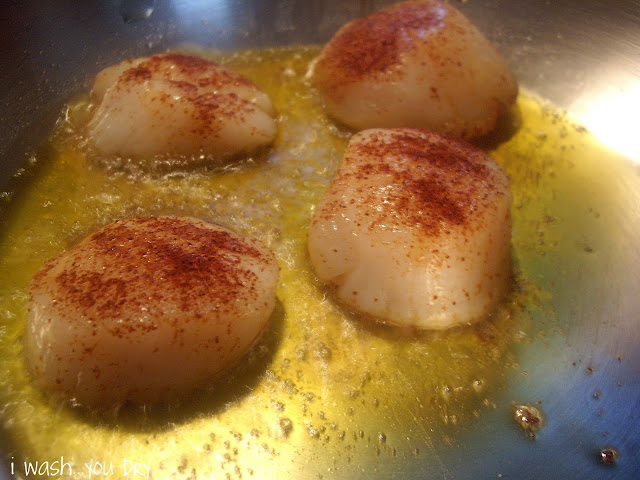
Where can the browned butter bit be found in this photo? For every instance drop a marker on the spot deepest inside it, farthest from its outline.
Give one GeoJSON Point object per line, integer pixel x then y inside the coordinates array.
{"type": "Point", "coordinates": [109, 319]}
{"type": "Point", "coordinates": [609, 456]}
{"type": "Point", "coordinates": [530, 418]}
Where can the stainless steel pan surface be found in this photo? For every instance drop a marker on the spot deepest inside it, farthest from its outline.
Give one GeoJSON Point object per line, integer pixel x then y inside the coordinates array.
{"type": "Point", "coordinates": [574, 354]}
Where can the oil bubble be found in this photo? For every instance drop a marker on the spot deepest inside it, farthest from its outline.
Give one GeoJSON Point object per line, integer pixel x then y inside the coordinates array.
{"type": "Point", "coordinates": [286, 425]}
{"type": "Point", "coordinates": [290, 387]}
{"type": "Point", "coordinates": [313, 431]}
{"type": "Point", "coordinates": [322, 352]}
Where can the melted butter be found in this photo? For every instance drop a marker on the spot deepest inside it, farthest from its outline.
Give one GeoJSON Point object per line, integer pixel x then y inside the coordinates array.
{"type": "Point", "coordinates": [325, 391]}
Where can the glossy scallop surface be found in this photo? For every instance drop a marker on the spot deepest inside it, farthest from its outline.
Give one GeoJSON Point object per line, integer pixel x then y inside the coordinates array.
{"type": "Point", "coordinates": [146, 309]}
{"type": "Point", "coordinates": [414, 64]}
{"type": "Point", "coordinates": [178, 104]}
{"type": "Point", "coordinates": [415, 229]}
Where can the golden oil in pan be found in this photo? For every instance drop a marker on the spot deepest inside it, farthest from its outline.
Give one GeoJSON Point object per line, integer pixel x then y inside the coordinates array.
{"type": "Point", "coordinates": [325, 393]}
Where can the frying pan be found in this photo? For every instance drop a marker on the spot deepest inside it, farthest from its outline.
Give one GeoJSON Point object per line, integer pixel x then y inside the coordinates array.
{"type": "Point", "coordinates": [582, 56]}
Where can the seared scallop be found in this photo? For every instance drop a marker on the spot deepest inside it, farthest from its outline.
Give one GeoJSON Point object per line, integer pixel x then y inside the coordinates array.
{"type": "Point", "coordinates": [147, 309]}
{"type": "Point", "coordinates": [415, 64]}
{"type": "Point", "coordinates": [178, 104]}
{"type": "Point", "coordinates": [415, 229]}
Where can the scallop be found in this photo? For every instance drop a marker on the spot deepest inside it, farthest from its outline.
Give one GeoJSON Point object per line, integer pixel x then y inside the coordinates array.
{"type": "Point", "coordinates": [415, 64]}
{"type": "Point", "coordinates": [415, 229]}
{"type": "Point", "coordinates": [147, 309]}
{"type": "Point", "coordinates": [178, 104]}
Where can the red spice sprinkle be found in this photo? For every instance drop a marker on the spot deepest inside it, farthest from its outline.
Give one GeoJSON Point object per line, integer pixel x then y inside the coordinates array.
{"type": "Point", "coordinates": [376, 43]}
{"type": "Point", "coordinates": [433, 182]}
{"type": "Point", "coordinates": [152, 262]}
{"type": "Point", "coordinates": [200, 84]}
